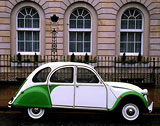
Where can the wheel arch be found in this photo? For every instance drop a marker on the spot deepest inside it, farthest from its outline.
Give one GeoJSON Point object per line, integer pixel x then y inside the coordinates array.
{"type": "Point", "coordinates": [36, 96]}
{"type": "Point", "coordinates": [130, 97]}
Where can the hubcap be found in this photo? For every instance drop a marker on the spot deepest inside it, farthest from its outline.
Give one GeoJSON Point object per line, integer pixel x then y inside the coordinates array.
{"type": "Point", "coordinates": [130, 111]}
{"type": "Point", "coordinates": [35, 110]}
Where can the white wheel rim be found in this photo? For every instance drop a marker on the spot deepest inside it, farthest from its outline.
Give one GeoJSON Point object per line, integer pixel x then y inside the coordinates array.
{"type": "Point", "coordinates": [35, 113]}
{"type": "Point", "coordinates": [130, 112]}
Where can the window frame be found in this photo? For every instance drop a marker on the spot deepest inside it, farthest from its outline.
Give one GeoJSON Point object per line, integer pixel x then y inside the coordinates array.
{"type": "Point", "coordinates": [61, 83]}
{"type": "Point", "coordinates": [28, 29]}
{"type": "Point", "coordinates": [80, 30]}
{"type": "Point", "coordinates": [35, 75]}
{"type": "Point", "coordinates": [134, 31]}
{"type": "Point", "coordinates": [90, 84]}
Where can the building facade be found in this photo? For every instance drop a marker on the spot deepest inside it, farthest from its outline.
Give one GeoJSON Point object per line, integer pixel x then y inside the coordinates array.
{"type": "Point", "coordinates": [95, 27]}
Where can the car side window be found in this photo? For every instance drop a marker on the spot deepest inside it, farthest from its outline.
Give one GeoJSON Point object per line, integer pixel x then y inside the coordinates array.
{"type": "Point", "coordinates": [41, 75]}
{"type": "Point", "coordinates": [63, 75]}
{"type": "Point", "coordinates": [86, 76]}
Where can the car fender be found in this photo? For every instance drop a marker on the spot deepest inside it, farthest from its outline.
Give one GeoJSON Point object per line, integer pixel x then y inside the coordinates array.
{"type": "Point", "coordinates": [127, 94]}
{"type": "Point", "coordinates": [36, 96]}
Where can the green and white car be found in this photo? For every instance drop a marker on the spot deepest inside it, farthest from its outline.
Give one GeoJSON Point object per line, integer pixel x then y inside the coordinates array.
{"type": "Point", "coordinates": [78, 86]}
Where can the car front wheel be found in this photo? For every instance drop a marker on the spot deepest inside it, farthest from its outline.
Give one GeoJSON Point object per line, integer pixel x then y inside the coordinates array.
{"type": "Point", "coordinates": [35, 113]}
{"type": "Point", "coordinates": [130, 111]}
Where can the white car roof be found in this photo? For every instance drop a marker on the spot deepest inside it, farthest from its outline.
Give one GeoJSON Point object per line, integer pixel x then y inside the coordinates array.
{"type": "Point", "coordinates": [54, 65]}
{"type": "Point", "coordinates": [59, 64]}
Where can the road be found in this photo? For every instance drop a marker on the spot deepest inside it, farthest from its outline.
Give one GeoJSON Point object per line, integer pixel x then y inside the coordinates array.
{"type": "Point", "coordinates": [74, 118]}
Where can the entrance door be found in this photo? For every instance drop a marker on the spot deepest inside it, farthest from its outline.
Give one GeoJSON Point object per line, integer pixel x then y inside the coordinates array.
{"type": "Point", "coordinates": [89, 92]}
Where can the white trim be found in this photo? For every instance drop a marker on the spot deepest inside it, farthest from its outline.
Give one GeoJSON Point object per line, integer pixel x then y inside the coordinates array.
{"type": "Point", "coordinates": [28, 53]}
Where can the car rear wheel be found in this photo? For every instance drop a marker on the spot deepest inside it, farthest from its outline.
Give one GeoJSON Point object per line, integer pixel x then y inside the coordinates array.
{"type": "Point", "coordinates": [35, 113]}
{"type": "Point", "coordinates": [130, 111]}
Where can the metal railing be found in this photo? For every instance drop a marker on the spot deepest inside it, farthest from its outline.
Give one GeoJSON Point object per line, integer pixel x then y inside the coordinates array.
{"type": "Point", "coordinates": [137, 70]}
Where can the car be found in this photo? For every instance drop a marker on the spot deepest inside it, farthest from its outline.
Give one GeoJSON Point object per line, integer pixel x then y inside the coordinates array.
{"type": "Point", "coordinates": [78, 86]}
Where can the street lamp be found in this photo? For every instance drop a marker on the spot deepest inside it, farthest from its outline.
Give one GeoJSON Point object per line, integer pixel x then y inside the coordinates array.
{"type": "Point", "coordinates": [54, 20]}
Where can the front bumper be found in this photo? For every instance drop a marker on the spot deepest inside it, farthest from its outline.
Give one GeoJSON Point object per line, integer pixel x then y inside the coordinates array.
{"type": "Point", "coordinates": [150, 107]}
{"type": "Point", "coordinates": [10, 104]}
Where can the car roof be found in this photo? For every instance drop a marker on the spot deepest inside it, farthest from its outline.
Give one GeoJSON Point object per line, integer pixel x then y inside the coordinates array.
{"type": "Point", "coordinates": [59, 64]}
{"type": "Point", "coordinates": [54, 65]}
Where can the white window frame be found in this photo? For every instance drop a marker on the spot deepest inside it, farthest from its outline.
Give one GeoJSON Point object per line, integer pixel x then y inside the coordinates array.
{"type": "Point", "coordinates": [80, 30]}
{"type": "Point", "coordinates": [27, 29]}
{"type": "Point", "coordinates": [134, 30]}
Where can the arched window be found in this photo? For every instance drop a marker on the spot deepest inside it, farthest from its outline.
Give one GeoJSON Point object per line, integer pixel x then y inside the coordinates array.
{"type": "Point", "coordinates": [28, 31]}
{"type": "Point", "coordinates": [80, 31]}
{"type": "Point", "coordinates": [131, 32]}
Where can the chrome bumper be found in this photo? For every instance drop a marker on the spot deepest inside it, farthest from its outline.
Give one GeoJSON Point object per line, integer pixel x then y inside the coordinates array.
{"type": "Point", "coordinates": [150, 107]}
{"type": "Point", "coordinates": [10, 104]}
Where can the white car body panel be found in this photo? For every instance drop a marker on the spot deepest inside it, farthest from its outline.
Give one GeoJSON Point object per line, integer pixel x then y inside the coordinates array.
{"type": "Point", "coordinates": [62, 96]}
{"type": "Point", "coordinates": [90, 96]}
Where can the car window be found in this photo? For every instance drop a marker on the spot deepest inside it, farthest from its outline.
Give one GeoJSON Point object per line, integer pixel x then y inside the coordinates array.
{"type": "Point", "coordinates": [86, 76]}
{"type": "Point", "coordinates": [41, 76]}
{"type": "Point", "coordinates": [63, 75]}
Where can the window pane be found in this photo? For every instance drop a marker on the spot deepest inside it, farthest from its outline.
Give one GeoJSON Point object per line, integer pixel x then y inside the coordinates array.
{"type": "Point", "coordinates": [72, 47]}
{"type": "Point", "coordinates": [72, 36]}
{"type": "Point", "coordinates": [138, 24]}
{"type": "Point", "coordinates": [123, 47]}
{"type": "Point", "coordinates": [23, 11]}
{"type": "Point", "coordinates": [36, 46]}
{"type": "Point", "coordinates": [79, 36]}
{"type": "Point", "coordinates": [130, 36]}
{"type": "Point", "coordinates": [79, 46]}
{"type": "Point", "coordinates": [36, 36]}
{"type": "Point", "coordinates": [87, 47]}
{"type": "Point", "coordinates": [35, 23]}
{"type": "Point", "coordinates": [28, 36]}
{"type": "Point", "coordinates": [87, 24]}
{"type": "Point", "coordinates": [41, 76]}
{"type": "Point", "coordinates": [72, 16]}
{"type": "Point", "coordinates": [130, 47]}
{"type": "Point", "coordinates": [20, 35]}
{"type": "Point", "coordinates": [80, 22]}
{"type": "Point", "coordinates": [138, 37]}
{"type": "Point", "coordinates": [64, 75]}
{"type": "Point", "coordinates": [138, 47]}
{"type": "Point", "coordinates": [85, 13]}
{"type": "Point", "coordinates": [21, 46]}
{"type": "Point", "coordinates": [123, 36]}
{"type": "Point", "coordinates": [28, 10]}
{"type": "Point", "coordinates": [86, 76]}
{"type": "Point", "coordinates": [72, 23]}
{"type": "Point", "coordinates": [123, 24]}
{"type": "Point", "coordinates": [75, 13]}
{"type": "Point", "coordinates": [28, 22]}
{"type": "Point", "coordinates": [80, 11]}
{"type": "Point", "coordinates": [131, 24]}
{"type": "Point", "coordinates": [20, 23]}
{"type": "Point", "coordinates": [87, 36]}
{"type": "Point", "coordinates": [28, 46]}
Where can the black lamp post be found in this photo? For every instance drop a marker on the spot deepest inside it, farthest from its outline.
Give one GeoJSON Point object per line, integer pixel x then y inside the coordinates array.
{"type": "Point", "coordinates": [54, 20]}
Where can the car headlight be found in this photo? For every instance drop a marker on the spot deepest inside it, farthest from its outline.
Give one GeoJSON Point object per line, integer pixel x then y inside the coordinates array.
{"type": "Point", "coordinates": [144, 92]}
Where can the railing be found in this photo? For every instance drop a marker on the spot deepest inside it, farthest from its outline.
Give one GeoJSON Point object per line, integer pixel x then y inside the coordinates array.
{"type": "Point", "coordinates": [140, 71]}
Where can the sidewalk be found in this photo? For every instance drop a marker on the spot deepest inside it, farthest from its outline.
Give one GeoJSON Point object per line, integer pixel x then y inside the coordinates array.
{"type": "Point", "coordinates": [8, 90]}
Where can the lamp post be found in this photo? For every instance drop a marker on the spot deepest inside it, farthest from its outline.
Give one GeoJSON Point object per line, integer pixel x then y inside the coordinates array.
{"type": "Point", "coordinates": [54, 20]}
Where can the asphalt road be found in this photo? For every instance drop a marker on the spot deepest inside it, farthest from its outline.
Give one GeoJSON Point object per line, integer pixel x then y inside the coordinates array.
{"type": "Point", "coordinates": [63, 118]}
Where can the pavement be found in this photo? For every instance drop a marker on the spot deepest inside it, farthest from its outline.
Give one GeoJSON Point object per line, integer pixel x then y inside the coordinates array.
{"type": "Point", "coordinates": [7, 91]}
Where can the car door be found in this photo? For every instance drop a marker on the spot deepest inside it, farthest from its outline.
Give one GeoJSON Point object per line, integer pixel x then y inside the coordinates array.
{"type": "Point", "coordinates": [61, 87]}
{"type": "Point", "coordinates": [89, 91]}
